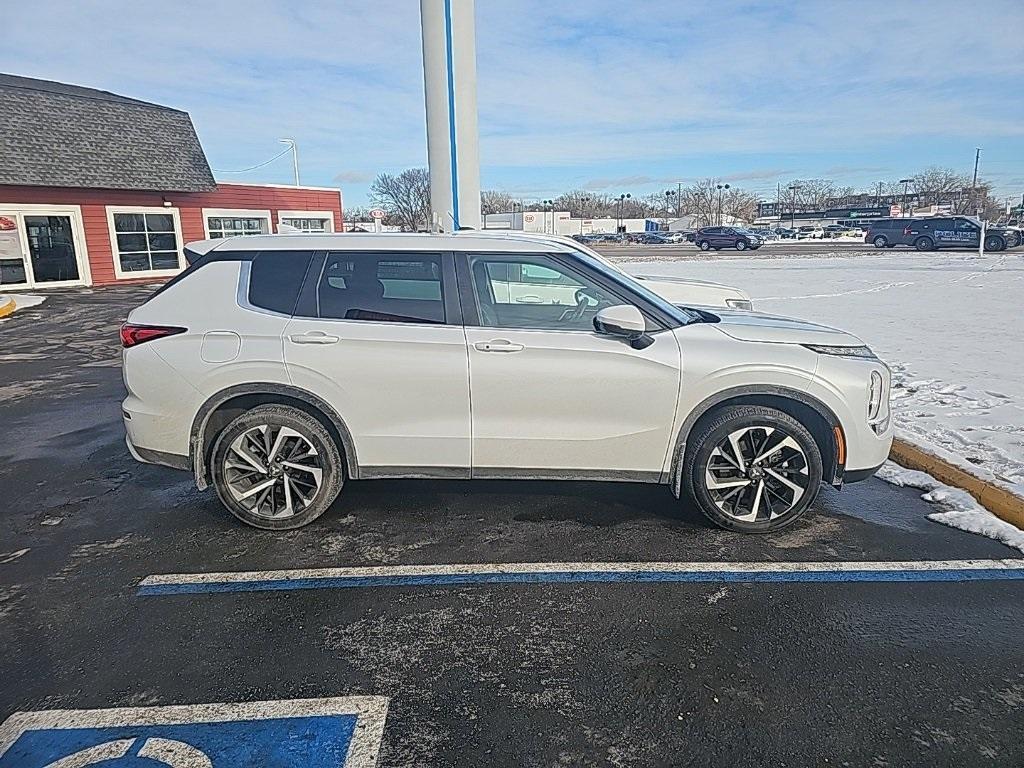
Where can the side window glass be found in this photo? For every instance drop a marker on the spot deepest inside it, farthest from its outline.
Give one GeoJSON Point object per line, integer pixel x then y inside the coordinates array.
{"type": "Point", "coordinates": [276, 278]}
{"type": "Point", "coordinates": [535, 292]}
{"type": "Point", "coordinates": [381, 287]}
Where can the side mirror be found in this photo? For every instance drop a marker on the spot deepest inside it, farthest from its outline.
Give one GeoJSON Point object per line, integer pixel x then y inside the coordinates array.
{"type": "Point", "coordinates": [626, 322]}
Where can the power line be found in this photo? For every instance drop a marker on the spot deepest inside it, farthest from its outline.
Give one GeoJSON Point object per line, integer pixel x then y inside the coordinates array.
{"type": "Point", "coordinates": [282, 153]}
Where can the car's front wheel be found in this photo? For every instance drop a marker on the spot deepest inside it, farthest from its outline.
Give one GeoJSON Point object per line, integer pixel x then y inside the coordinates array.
{"type": "Point", "coordinates": [704, 245]}
{"type": "Point", "coordinates": [276, 467]}
{"type": "Point", "coordinates": [740, 245]}
{"type": "Point", "coordinates": [751, 468]}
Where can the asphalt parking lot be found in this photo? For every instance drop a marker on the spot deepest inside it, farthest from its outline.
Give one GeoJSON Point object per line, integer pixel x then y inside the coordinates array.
{"type": "Point", "coordinates": [614, 673]}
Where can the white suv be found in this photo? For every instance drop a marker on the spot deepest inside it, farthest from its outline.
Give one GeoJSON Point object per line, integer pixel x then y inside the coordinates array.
{"type": "Point", "coordinates": [279, 368]}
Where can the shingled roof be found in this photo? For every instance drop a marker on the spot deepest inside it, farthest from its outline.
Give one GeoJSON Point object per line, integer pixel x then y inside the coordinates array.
{"type": "Point", "coordinates": [57, 135]}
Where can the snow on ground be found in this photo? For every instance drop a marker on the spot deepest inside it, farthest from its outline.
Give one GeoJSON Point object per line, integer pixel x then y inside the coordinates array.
{"type": "Point", "coordinates": [951, 326]}
{"type": "Point", "coordinates": [961, 509]}
{"type": "Point", "coordinates": [24, 300]}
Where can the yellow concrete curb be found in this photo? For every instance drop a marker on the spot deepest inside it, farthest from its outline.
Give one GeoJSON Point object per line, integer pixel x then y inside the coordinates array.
{"type": "Point", "coordinates": [7, 307]}
{"type": "Point", "coordinates": [999, 501]}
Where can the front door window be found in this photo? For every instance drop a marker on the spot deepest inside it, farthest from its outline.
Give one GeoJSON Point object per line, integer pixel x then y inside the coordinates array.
{"type": "Point", "coordinates": [535, 291]}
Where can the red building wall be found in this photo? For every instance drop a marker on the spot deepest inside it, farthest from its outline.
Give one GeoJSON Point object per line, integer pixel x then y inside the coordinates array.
{"type": "Point", "coordinates": [190, 205]}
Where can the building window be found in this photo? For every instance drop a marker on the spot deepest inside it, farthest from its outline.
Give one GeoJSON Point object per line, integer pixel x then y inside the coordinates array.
{"type": "Point", "coordinates": [220, 222]}
{"type": "Point", "coordinates": [145, 240]}
{"type": "Point", "coordinates": [307, 221]}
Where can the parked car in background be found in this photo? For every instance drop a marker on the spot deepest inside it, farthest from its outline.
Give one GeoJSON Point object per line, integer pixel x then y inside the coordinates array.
{"type": "Point", "coordinates": [810, 233]}
{"type": "Point", "coordinates": [956, 232]}
{"type": "Point", "coordinates": [674, 237]}
{"type": "Point", "coordinates": [784, 233]}
{"type": "Point", "coordinates": [654, 238]}
{"type": "Point", "coordinates": [717, 238]}
{"type": "Point", "coordinates": [885, 233]}
{"type": "Point", "coordinates": [765, 233]}
{"type": "Point", "coordinates": [279, 369]}
{"type": "Point", "coordinates": [933, 233]}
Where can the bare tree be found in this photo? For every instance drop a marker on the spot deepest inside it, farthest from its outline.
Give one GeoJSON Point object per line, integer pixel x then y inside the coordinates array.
{"type": "Point", "coordinates": [495, 201]}
{"type": "Point", "coordinates": [580, 202]}
{"type": "Point", "coordinates": [740, 204]}
{"type": "Point", "coordinates": [405, 197]}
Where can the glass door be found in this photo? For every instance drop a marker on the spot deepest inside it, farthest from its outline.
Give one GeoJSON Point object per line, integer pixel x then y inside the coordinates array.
{"type": "Point", "coordinates": [51, 247]}
{"type": "Point", "coordinates": [40, 245]}
{"type": "Point", "coordinates": [13, 266]}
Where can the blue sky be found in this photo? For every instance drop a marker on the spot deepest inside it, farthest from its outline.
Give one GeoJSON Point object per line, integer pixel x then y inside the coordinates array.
{"type": "Point", "coordinates": [611, 96]}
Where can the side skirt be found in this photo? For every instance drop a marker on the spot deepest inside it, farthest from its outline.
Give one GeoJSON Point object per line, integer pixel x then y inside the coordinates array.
{"type": "Point", "coordinates": [501, 473]}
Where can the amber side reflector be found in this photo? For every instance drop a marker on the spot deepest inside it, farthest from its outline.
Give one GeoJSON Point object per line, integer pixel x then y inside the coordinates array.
{"type": "Point", "coordinates": [837, 432]}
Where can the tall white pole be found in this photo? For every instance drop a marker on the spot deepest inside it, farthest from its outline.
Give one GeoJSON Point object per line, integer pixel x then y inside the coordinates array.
{"type": "Point", "coordinates": [449, 79]}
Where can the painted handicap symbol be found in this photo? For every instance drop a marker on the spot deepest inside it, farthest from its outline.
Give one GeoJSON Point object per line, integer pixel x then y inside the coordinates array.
{"type": "Point", "coordinates": [341, 732]}
{"type": "Point", "coordinates": [175, 754]}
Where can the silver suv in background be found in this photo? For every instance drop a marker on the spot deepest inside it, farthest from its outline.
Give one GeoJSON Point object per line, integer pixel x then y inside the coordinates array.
{"type": "Point", "coordinates": [278, 369]}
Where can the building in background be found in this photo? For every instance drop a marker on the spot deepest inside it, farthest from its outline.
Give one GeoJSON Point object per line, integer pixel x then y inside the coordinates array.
{"type": "Point", "coordinates": [97, 189]}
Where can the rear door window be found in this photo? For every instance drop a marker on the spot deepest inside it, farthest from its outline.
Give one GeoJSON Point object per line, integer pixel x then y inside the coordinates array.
{"type": "Point", "coordinates": [382, 287]}
{"type": "Point", "coordinates": [276, 279]}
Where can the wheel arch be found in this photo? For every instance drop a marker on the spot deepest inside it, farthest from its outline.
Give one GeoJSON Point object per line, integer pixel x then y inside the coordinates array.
{"type": "Point", "coordinates": [817, 417]}
{"type": "Point", "coordinates": [214, 414]}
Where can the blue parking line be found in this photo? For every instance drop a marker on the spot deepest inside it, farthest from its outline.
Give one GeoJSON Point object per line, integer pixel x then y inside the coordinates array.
{"type": "Point", "coordinates": [782, 575]}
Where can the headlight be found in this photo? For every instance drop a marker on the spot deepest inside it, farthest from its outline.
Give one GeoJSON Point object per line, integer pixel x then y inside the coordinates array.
{"type": "Point", "coordinates": [739, 303]}
{"type": "Point", "coordinates": [861, 351]}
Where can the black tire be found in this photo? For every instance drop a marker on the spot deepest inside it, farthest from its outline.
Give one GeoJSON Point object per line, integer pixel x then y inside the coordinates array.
{"type": "Point", "coordinates": [880, 241]}
{"type": "Point", "coordinates": [994, 243]}
{"type": "Point", "coordinates": [328, 456]}
{"type": "Point", "coordinates": [716, 428]}
{"type": "Point", "coordinates": [704, 245]}
{"type": "Point", "coordinates": [924, 244]}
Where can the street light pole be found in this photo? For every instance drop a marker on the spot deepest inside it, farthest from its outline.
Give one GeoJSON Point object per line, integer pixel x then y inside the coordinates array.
{"type": "Point", "coordinates": [720, 188]}
{"type": "Point", "coordinates": [583, 210]}
{"type": "Point", "coordinates": [549, 205]}
{"type": "Point", "coordinates": [295, 157]}
{"type": "Point", "coordinates": [792, 205]}
{"type": "Point", "coordinates": [905, 182]}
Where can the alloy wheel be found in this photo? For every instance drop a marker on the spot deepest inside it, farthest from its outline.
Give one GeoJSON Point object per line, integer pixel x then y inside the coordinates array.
{"type": "Point", "coordinates": [757, 474]}
{"type": "Point", "coordinates": [273, 471]}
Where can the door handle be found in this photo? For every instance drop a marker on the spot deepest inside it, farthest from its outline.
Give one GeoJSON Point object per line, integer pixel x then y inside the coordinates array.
{"type": "Point", "coordinates": [314, 337]}
{"type": "Point", "coordinates": [498, 345]}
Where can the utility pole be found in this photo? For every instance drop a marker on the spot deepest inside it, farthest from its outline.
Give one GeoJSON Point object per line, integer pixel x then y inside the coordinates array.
{"type": "Point", "coordinates": [295, 157]}
{"type": "Point", "coordinates": [878, 195]}
{"type": "Point", "coordinates": [974, 182]}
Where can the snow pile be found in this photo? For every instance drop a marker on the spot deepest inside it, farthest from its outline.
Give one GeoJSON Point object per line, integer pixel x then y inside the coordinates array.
{"type": "Point", "coordinates": [23, 301]}
{"type": "Point", "coordinates": [961, 510]}
{"type": "Point", "coordinates": [945, 322]}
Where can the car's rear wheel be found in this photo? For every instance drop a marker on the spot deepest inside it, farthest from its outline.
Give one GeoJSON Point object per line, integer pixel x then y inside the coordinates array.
{"type": "Point", "coordinates": [276, 467]}
{"type": "Point", "coordinates": [994, 243]}
{"type": "Point", "coordinates": [704, 245]}
{"type": "Point", "coordinates": [924, 244]}
{"type": "Point", "coordinates": [740, 245]}
{"type": "Point", "coordinates": [880, 242]}
{"type": "Point", "coordinates": [751, 468]}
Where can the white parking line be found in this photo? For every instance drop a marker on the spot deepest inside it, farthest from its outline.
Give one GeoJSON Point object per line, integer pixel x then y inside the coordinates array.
{"type": "Point", "coordinates": [493, 573]}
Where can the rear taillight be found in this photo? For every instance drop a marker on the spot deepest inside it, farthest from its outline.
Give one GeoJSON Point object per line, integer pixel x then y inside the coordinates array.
{"type": "Point", "coordinates": [132, 335]}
